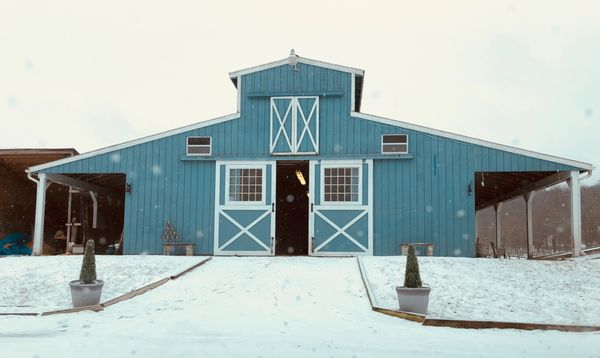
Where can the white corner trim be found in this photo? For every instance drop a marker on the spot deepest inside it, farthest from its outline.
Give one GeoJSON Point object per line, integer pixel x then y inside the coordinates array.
{"type": "Point", "coordinates": [239, 94]}
{"type": "Point", "coordinates": [352, 92]}
{"type": "Point", "coordinates": [467, 139]}
{"type": "Point", "coordinates": [131, 143]}
{"type": "Point", "coordinates": [304, 60]}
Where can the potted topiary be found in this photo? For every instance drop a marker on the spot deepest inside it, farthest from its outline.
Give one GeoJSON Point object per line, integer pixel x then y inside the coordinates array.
{"type": "Point", "coordinates": [87, 290]}
{"type": "Point", "coordinates": [413, 297]}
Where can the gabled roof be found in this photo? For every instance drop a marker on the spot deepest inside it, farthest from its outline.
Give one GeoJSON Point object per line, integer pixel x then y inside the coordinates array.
{"type": "Point", "coordinates": [308, 61]}
{"type": "Point", "coordinates": [463, 138]}
{"type": "Point", "coordinates": [131, 143]}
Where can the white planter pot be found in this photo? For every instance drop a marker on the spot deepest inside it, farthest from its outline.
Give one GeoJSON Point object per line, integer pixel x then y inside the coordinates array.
{"type": "Point", "coordinates": [83, 294]}
{"type": "Point", "coordinates": [413, 300]}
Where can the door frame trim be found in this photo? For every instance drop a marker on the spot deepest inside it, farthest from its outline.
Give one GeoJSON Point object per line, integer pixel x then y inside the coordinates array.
{"type": "Point", "coordinates": [368, 207]}
{"type": "Point", "coordinates": [217, 206]}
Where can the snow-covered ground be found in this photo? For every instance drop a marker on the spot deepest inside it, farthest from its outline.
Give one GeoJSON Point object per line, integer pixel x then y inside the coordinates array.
{"type": "Point", "coordinates": [38, 284]}
{"type": "Point", "coordinates": [267, 307]}
{"type": "Point", "coordinates": [559, 292]}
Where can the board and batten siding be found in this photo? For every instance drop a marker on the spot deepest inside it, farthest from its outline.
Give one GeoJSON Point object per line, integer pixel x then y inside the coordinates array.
{"type": "Point", "coordinates": [418, 198]}
{"type": "Point", "coordinates": [162, 187]}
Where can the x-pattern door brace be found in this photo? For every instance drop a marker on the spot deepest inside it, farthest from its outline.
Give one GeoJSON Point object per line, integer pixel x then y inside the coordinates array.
{"type": "Point", "coordinates": [245, 229]}
{"type": "Point", "coordinates": [341, 230]}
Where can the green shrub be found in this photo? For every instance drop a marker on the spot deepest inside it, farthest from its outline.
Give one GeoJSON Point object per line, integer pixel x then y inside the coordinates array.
{"type": "Point", "coordinates": [88, 265]}
{"type": "Point", "coordinates": [412, 278]}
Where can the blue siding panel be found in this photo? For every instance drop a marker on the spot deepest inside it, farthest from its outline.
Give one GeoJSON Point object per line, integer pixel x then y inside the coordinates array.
{"type": "Point", "coordinates": [423, 199]}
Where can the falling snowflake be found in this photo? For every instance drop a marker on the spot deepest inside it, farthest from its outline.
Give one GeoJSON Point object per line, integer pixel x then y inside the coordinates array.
{"type": "Point", "coordinates": [460, 213]}
{"type": "Point", "coordinates": [289, 198]}
{"type": "Point", "coordinates": [115, 157]}
{"type": "Point", "coordinates": [156, 169]}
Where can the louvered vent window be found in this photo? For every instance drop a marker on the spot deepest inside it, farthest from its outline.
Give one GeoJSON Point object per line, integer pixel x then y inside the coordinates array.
{"type": "Point", "coordinates": [394, 144]}
{"type": "Point", "coordinates": [198, 146]}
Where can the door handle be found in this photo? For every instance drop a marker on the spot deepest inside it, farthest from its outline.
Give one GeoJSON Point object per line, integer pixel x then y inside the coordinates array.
{"type": "Point", "coordinates": [273, 207]}
{"type": "Point", "coordinates": [312, 207]}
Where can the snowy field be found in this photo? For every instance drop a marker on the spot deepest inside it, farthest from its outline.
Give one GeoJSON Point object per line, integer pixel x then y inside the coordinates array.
{"type": "Point", "coordinates": [38, 284]}
{"type": "Point", "coordinates": [559, 292]}
{"type": "Point", "coordinates": [267, 307]}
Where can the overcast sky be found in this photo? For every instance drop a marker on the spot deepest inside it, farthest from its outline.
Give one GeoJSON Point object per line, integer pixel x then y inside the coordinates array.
{"type": "Point", "coordinates": [89, 74]}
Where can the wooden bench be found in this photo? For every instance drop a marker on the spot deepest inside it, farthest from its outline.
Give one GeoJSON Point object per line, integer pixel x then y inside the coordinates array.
{"type": "Point", "coordinates": [429, 247]}
{"type": "Point", "coordinates": [498, 251]}
{"type": "Point", "coordinates": [171, 248]}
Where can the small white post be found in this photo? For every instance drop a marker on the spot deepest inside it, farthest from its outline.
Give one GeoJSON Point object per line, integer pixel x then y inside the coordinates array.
{"type": "Point", "coordinates": [573, 182]}
{"type": "Point", "coordinates": [529, 212]}
{"type": "Point", "coordinates": [95, 210]}
{"type": "Point", "coordinates": [497, 208]}
{"type": "Point", "coordinates": [40, 209]}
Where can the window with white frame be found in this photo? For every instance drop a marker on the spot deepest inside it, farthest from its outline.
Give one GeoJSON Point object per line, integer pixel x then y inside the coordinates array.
{"type": "Point", "coordinates": [341, 184]}
{"type": "Point", "coordinates": [394, 144]}
{"type": "Point", "coordinates": [245, 185]}
{"type": "Point", "coordinates": [198, 146]}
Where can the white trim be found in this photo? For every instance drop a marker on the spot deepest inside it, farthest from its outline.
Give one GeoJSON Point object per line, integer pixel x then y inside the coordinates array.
{"type": "Point", "coordinates": [304, 60]}
{"type": "Point", "coordinates": [187, 146]}
{"type": "Point", "coordinates": [466, 139]}
{"type": "Point", "coordinates": [291, 114]}
{"type": "Point", "coordinates": [281, 129]}
{"type": "Point", "coordinates": [311, 204]}
{"type": "Point", "coordinates": [341, 230]}
{"type": "Point", "coordinates": [217, 205]}
{"type": "Point", "coordinates": [313, 114]}
{"type": "Point", "coordinates": [273, 207]}
{"type": "Point", "coordinates": [239, 94]}
{"type": "Point", "coordinates": [220, 209]}
{"type": "Point", "coordinates": [341, 164]}
{"type": "Point", "coordinates": [395, 134]}
{"type": "Point", "coordinates": [233, 203]}
{"type": "Point", "coordinates": [40, 211]}
{"type": "Point", "coordinates": [352, 92]}
{"type": "Point", "coordinates": [575, 198]}
{"type": "Point", "coordinates": [131, 143]}
{"type": "Point", "coordinates": [354, 206]}
{"type": "Point", "coordinates": [370, 204]}
{"type": "Point", "coordinates": [244, 229]}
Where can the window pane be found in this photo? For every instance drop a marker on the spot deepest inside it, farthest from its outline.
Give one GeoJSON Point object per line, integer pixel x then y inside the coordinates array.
{"type": "Point", "coordinates": [245, 185]}
{"type": "Point", "coordinates": [198, 150]}
{"type": "Point", "coordinates": [198, 141]}
{"type": "Point", "coordinates": [395, 148]}
{"type": "Point", "coordinates": [341, 184]}
{"type": "Point", "coordinates": [396, 138]}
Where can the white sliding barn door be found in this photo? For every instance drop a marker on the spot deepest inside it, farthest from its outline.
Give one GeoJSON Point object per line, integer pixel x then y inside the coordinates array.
{"type": "Point", "coordinates": [294, 125]}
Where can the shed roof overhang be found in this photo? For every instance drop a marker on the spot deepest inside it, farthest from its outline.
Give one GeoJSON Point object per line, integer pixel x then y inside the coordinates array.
{"type": "Point", "coordinates": [18, 160]}
{"type": "Point", "coordinates": [496, 187]}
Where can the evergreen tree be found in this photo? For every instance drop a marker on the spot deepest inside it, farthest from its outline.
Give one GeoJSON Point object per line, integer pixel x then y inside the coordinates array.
{"type": "Point", "coordinates": [412, 278]}
{"type": "Point", "coordinates": [88, 265]}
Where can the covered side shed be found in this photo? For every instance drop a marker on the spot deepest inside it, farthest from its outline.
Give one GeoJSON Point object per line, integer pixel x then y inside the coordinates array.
{"type": "Point", "coordinates": [17, 199]}
{"type": "Point", "coordinates": [299, 170]}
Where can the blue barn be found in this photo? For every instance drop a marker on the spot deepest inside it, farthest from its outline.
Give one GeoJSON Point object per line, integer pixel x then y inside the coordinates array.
{"type": "Point", "coordinates": [298, 169]}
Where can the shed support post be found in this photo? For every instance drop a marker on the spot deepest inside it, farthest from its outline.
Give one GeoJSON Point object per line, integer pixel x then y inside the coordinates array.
{"type": "Point", "coordinates": [529, 212]}
{"type": "Point", "coordinates": [497, 208]}
{"type": "Point", "coordinates": [40, 210]}
{"type": "Point", "coordinates": [573, 182]}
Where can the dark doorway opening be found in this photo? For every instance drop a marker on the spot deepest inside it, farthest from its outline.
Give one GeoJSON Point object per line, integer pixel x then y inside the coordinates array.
{"type": "Point", "coordinates": [291, 223]}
